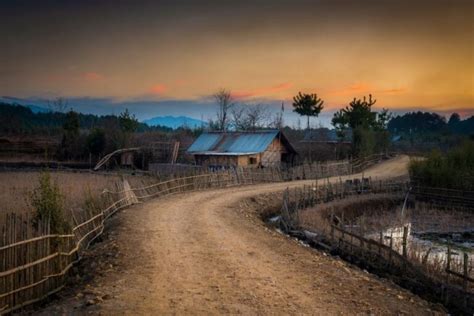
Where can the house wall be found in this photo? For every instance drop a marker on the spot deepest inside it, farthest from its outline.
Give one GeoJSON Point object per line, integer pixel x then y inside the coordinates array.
{"type": "Point", "coordinates": [272, 156]}
{"type": "Point", "coordinates": [215, 160]}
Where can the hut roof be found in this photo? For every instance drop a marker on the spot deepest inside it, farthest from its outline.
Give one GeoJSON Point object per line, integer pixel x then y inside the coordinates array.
{"type": "Point", "coordinates": [236, 143]}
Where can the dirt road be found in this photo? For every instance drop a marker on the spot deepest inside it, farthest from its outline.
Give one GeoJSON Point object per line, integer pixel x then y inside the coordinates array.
{"type": "Point", "coordinates": [202, 253]}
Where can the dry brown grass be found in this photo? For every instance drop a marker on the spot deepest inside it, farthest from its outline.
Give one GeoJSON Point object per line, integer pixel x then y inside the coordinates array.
{"type": "Point", "coordinates": [369, 207]}
{"type": "Point", "coordinates": [371, 214]}
{"type": "Point", "coordinates": [16, 188]}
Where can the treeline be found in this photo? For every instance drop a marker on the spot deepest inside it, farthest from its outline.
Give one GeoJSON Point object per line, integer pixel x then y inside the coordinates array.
{"type": "Point", "coordinates": [453, 170]}
{"type": "Point", "coordinates": [17, 119]}
{"type": "Point", "coordinates": [424, 123]}
{"type": "Point", "coordinates": [81, 137]}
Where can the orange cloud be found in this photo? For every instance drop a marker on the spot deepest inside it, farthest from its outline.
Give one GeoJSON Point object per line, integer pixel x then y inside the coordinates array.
{"type": "Point", "coordinates": [159, 89]}
{"type": "Point", "coordinates": [92, 76]}
{"type": "Point", "coordinates": [364, 88]}
{"type": "Point", "coordinates": [262, 91]}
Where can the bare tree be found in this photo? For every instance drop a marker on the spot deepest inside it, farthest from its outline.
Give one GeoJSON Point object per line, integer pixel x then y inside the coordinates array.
{"type": "Point", "coordinates": [277, 120]}
{"type": "Point", "coordinates": [250, 117]}
{"type": "Point", "coordinates": [257, 116]}
{"type": "Point", "coordinates": [239, 121]}
{"type": "Point", "coordinates": [225, 103]}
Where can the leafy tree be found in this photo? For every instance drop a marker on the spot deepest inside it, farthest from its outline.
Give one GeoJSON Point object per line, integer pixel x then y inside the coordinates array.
{"type": "Point", "coordinates": [357, 114]}
{"type": "Point", "coordinates": [71, 124]}
{"type": "Point", "coordinates": [128, 125]}
{"type": "Point", "coordinates": [69, 143]}
{"type": "Point", "coordinates": [96, 141]}
{"type": "Point", "coordinates": [383, 117]}
{"type": "Point", "coordinates": [414, 122]}
{"type": "Point", "coordinates": [368, 127]}
{"type": "Point", "coordinates": [307, 105]}
{"type": "Point", "coordinates": [128, 122]}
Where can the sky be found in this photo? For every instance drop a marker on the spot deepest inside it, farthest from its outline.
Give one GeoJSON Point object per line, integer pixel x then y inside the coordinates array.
{"type": "Point", "coordinates": [169, 57]}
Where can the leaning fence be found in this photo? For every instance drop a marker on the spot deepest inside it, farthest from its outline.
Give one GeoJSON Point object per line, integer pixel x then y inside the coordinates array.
{"type": "Point", "coordinates": [34, 262]}
{"type": "Point", "coordinates": [450, 281]}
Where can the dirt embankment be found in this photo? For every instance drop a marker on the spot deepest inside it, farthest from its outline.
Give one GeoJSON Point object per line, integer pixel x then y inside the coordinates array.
{"type": "Point", "coordinates": [210, 253]}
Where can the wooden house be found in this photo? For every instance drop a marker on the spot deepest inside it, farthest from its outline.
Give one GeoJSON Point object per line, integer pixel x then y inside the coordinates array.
{"type": "Point", "coordinates": [230, 149]}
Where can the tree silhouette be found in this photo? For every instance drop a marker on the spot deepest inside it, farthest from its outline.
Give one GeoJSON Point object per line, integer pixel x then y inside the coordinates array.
{"type": "Point", "coordinates": [307, 105]}
{"type": "Point", "coordinates": [357, 114]}
{"type": "Point", "coordinates": [225, 103]}
{"type": "Point", "coordinates": [369, 129]}
{"type": "Point", "coordinates": [128, 122]}
{"type": "Point", "coordinates": [454, 119]}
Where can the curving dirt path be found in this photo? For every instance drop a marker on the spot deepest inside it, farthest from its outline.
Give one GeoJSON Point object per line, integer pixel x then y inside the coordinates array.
{"type": "Point", "coordinates": [203, 253]}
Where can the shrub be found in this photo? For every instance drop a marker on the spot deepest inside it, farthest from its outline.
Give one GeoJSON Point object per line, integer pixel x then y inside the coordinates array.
{"type": "Point", "coordinates": [47, 201]}
{"type": "Point", "coordinates": [454, 170]}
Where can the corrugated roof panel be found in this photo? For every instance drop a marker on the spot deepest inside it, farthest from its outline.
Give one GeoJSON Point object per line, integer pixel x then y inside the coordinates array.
{"type": "Point", "coordinates": [238, 143]}
{"type": "Point", "coordinates": [205, 142]}
{"type": "Point", "coordinates": [255, 142]}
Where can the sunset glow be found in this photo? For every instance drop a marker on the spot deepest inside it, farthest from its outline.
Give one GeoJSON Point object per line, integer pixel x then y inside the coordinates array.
{"type": "Point", "coordinates": [409, 54]}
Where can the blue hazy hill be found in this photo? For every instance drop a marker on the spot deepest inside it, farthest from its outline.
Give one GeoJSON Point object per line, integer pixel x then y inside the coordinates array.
{"type": "Point", "coordinates": [25, 103]}
{"type": "Point", "coordinates": [174, 121]}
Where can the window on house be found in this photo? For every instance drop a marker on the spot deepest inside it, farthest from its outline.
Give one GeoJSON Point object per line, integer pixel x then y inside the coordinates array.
{"type": "Point", "coordinates": [253, 160]}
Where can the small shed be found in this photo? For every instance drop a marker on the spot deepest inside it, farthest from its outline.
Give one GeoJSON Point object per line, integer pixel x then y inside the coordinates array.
{"type": "Point", "coordinates": [261, 148]}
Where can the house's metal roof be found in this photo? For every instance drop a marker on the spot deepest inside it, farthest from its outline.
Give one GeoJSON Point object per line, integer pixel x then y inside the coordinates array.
{"type": "Point", "coordinates": [237, 143]}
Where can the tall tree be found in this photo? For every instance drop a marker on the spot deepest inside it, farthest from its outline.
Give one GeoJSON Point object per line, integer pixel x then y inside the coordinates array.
{"type": "Point", "coordinates": [71, 124]}
{"type": "Point", "coordinates": [225, 102]}
{"type": "Point", "coordinates": [128, 125]}
{"type": "Point", "coordinates": [128, 122]}
{"type": "Point", "coordinates": [307, 105]}
{"type": "Point", "coordinates": [69, 142]}
{"type": "Point", "coordinates": [357, 114]}
{"type": "Point", "coordinates": [368, 127]}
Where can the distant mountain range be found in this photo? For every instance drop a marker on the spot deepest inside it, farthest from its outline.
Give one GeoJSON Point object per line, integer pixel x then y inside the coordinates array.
{"type": "Point", "coordinates": [39, 106]}
{"type": "Point", "coordinates": [175, 121]}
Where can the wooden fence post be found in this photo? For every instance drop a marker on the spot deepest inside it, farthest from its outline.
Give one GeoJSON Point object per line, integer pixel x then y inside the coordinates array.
{"type": "Point", "coordinates": [448, 268]}
{"type": "Point", "coordinates": [465, 270]}
{"type": "Point", "coordinates": [404, 242]}
{"type": "Point", "coordinates": [391, 249]}
{"type": "Point", "coordinates": [332, 226]}
{"type": "Point", "coordinates": [381, 242]}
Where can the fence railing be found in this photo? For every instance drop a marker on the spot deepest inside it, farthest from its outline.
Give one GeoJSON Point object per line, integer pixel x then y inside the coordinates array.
{"type": "Point", "coordinates": [452, 283]}
{"type": "Point", "coordinates": [34, 262]}
{"type": "Point", "coordinates": [444, 197]}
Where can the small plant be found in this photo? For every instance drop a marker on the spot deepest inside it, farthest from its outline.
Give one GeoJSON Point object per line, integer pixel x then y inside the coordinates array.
{"type": "Point", "coordinates": [47, 201]}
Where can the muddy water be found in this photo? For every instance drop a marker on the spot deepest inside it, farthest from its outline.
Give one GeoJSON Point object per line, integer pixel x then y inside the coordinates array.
{"type": "Point", "coordinates": [433, 243]}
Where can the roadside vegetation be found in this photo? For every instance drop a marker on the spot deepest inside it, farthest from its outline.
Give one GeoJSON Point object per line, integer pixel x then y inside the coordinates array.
{"type": "Point", "coordinates": [37, 193]}
{"type": "Point", "coordinates": [452, 170]}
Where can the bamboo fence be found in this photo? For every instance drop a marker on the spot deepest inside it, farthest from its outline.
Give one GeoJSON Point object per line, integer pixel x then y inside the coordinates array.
{"type": "Point", "coordinates": [34, 263]}
{"type": "Point", "coordinates": [453, 285]}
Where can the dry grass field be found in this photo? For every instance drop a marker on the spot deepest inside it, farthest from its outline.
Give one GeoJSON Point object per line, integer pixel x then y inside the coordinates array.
{"type": "Point", "coordinates": [16, 188]}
